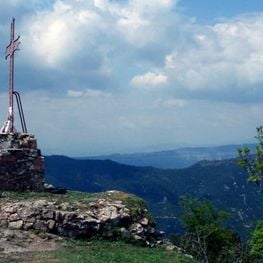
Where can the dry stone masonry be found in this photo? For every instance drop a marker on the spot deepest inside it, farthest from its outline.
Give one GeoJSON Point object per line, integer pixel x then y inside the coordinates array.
{"type": "Point", "coordinates": [21, 163]}
{"type": "Point", "coordinates": [100, 218]}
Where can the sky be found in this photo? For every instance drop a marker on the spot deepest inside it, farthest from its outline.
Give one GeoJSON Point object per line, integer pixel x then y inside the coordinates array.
{"type": "Point", "coordinates": [107, 76]}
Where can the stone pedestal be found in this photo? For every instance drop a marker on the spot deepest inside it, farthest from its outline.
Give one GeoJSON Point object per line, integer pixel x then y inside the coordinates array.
{"type": "Point", "coordinates": [21, 163]}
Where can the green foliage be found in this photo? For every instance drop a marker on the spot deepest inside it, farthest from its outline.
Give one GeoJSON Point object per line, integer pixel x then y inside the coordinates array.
{"type": "Point", "coordinates": [205, 235]}
{"type": "Point", "coordinates": [70, 196]}
{"type": "Point", "coordinates": [199, 213]}
{"type": "Point", "coordinates": [138, 208]}
{"type": "Point", "coordinates": [257, 241]}
{"type": "Point", "coordinates": [253, 163]}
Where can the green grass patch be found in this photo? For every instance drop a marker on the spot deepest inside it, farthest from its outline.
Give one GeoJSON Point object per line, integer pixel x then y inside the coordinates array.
{"type": "Point", "coordinates": [99, 251]}
{"type": "Point", "coordinates": [69, 197]}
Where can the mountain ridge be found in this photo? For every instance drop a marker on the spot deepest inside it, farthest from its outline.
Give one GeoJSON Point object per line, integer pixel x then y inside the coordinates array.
{"type": "Point", "coordinates": [222, 182]}
{"type": "Point", "coordinates": [177, 158]}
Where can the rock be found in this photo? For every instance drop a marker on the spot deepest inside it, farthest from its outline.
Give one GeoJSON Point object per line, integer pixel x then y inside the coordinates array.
{"type": "Point", "coordinates": [137, 238]}
{"type": "Point", "coordinates": [159, 242]}
{"type": "Point", "coordinates": [30, 220]}
{"type": "Point", "coordinates": [40, 204]}
{"type": "Point", "coordinates": [144, 221]}
{"type": "Point", "coordinates": [69, 217]}
{"type": "Point", "coordinates": [51, 224]}
{"type": "Point", "coordinates": [13, 217]}
{"type": "Point", "coordinates": [137, 228]}
{"type": "Point", "coordinates": [28, 226]}
{"type": "Point", "coordinates": [3, 223]}
{"type": "Point", "coordinates": [10, 209]}
{"type": "Point", "coordinates": [41, 225]}
{"type": "Point", "coordinates": [48, 186]}
{"type": "Point", "coordinates": [16, 224]}
{"type": "Point", "coordinates": [170, 247]}
{"type": "Point", "coordinates": [4, 216]}
{"type": "Point", "coordinates": [125, 234]}
{"type": "Point", "coordinates": [26, 212]}
{"type": "Point", "coordinates": [48, 214]}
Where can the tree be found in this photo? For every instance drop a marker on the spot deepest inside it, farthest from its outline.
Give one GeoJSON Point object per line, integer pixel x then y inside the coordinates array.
{"type": "Point", "coordinates": [205, 236]}
{"type": "Point", "coordinates": [253, 163]}
{"type": "Point", "coordinates": [257, 241]}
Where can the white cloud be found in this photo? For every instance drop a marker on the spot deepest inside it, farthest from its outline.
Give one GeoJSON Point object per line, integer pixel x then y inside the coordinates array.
{"type": "Point", "coordinates": [97, 57]}
{"type": "Point", "coordinates": [102, 40]}
{"type": "Point", "coordinates": [149, 79]}
{"type": "Point", "coordinates": [59, 35]}
{"type": "Point", "coordinates": [91, 93]}
{"type": "Point", "coordinates": [226, 55]}
{"type": "Point", "coordinates": [75, 93]}
{"type": "Point", "coordinates": [56, 36]}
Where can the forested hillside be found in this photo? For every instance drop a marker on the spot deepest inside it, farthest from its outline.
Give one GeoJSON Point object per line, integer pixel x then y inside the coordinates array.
{"type": "Point", "coordinates": [222, 182]}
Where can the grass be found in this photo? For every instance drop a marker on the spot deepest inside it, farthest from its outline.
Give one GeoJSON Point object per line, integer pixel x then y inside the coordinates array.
{"type": "Point", "coordinates": [72, 196]}
{"type": "Point", "coordinates": [69, 197]}
{"type": "Point", "coordinates": [99, 251]}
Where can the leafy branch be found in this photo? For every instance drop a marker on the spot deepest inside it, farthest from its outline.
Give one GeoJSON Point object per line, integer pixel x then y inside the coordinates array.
{"type": "Point", "coordinates": [253, 163]}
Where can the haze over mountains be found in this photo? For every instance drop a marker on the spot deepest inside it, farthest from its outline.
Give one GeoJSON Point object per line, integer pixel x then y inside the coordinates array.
{"type": "Point", "coordinates": [178, 158]}
{"type": "Point", "coordinates": [221, 181]}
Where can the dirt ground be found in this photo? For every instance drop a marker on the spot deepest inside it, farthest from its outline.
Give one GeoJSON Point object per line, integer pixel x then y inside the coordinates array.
{"type": "Point", "coordinates": [17, 244]}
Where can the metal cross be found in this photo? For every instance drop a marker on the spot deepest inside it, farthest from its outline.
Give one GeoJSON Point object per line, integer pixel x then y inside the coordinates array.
{"type": "Point", "coordinates": [10, 52]}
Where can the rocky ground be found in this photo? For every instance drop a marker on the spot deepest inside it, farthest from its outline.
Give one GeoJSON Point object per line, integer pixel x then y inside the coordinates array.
{"type": "Point", "coordinates": [18, 244]}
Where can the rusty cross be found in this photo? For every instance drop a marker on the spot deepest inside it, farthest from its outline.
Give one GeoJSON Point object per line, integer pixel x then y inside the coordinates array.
{"type": "Point", "coordinates": [10, 52]}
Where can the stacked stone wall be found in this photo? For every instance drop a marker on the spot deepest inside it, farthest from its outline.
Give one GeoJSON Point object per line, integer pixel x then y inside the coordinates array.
{"type": "Point", "coordinates": [100, 218]}
{"type": "Point", "coordinates": [21, 163]}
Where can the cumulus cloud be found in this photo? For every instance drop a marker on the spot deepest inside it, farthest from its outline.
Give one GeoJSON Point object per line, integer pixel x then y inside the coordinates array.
{"type": "Point", "coordinates": [149, 79]}
{"type": "Point", "coordinates": [101, 40]}
{"type": "Point", "coordinates": [107, 44]}
{"type": "Point", "coordinates": [225, 56]}
{"type": "Point", "coordinates": [94, 59]}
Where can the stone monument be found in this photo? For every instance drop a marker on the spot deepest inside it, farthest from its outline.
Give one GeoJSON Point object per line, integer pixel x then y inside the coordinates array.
{"type": "Point", "coordinates": [21, 162]}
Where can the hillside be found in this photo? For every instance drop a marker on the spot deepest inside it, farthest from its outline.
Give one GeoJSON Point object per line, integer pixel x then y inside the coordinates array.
{"type": "Point", "coordinates": [222, 182]}
{"type": "Point", "coordinates": [179, 158]}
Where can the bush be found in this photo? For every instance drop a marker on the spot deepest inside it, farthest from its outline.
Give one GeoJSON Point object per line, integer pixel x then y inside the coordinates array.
{"type": "Point", "coordinates": [256, 249]}
{"type": "Point", "coordinates": [206, 237]}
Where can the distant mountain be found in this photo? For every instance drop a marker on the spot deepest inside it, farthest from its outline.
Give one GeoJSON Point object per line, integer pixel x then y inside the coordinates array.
{"type": "Point", "coordinates": [179, 158]}
{"type": "Point", "coordinates": [222, 182]}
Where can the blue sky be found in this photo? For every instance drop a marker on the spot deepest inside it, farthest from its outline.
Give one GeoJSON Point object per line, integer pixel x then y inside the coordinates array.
{"type": "Point", "coordinates": [105, 76]}
{"type": "Point", "coordinates": [210, 11]}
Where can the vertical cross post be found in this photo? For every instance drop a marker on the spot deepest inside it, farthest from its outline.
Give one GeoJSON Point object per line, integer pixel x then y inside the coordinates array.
{"type": "Point", "coordinates": [10, 52]}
